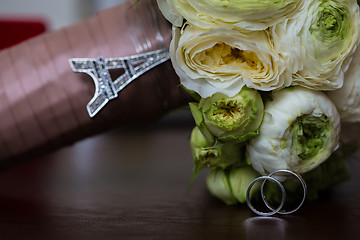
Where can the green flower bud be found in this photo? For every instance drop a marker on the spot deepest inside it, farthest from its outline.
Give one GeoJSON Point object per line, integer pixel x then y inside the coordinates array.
{"type": "Point", "coordinates": [234, 119]}
{"type": "Point", "coordinates": [219, 186]}
{"type": "Point", "coordinates": [240, 179]}
{"type": "Point", "coordinates": [209, 153]}
{"type": "Point", "coordinates": [231, 186]}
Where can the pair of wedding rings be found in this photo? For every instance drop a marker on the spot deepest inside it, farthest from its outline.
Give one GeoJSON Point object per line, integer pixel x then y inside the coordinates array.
{"type": "Point", "coordinates": [271, 178]}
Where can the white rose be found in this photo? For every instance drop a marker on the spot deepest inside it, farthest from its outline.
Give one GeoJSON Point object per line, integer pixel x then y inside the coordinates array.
{"type": "Point", "coordinates": [245, 14]}
{"type": "Point", "coordinates": [224, 60]}
{"type": "Point", "coordinates": [319, 43]}
{"type": "Point", "coordinates": [170, 12]}
{"type": "Point", "coordinates": [300, 130]}
{"type": "Point", "coordinates": [347, 98]}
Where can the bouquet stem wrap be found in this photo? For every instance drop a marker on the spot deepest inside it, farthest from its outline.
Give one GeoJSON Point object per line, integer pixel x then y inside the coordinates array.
{"type": "Point", "coordinates": [42, 101]}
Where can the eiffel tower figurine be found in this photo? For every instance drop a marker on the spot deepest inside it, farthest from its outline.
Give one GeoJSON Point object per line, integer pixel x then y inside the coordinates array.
{"type": "Point", "coordinates": [105, 88]}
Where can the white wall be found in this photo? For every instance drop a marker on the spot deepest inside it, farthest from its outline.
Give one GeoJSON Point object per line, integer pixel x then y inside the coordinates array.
{"type": "Point", "coordinates": [59, 13]}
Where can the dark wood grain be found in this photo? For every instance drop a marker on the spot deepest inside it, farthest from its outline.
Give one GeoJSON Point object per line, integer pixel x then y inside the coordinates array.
{"type": "Point", "coordinates": [131, 184]}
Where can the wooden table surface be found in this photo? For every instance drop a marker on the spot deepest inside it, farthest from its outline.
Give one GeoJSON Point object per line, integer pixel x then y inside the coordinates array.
{"type": "Point", "coordinates": [131, 184]}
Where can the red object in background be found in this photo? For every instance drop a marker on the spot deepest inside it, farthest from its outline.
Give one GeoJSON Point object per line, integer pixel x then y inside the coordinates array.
{"type": "Point", "coordinates": [14, 31]}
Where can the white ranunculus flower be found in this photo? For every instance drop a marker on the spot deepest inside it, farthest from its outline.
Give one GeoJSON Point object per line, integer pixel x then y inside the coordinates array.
{"type": "Point", "coordinates": [347, 98]}
{"type": "Point", "coordinates": [224, 60]}
{"type": "Point", "coordinates": [245, 14]}
{"type": "Point", "coordinates": [318, 44]}
{"type": "Point", "coordinates": [300, 130]}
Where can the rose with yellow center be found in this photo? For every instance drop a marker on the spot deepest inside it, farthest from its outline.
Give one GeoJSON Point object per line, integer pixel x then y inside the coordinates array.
{"type": "Point", "coordinates": [224, 60]}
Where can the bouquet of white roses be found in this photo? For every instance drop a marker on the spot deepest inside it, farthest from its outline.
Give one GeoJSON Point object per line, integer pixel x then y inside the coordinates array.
{"type": "Point", "coordinates": [272, 81]}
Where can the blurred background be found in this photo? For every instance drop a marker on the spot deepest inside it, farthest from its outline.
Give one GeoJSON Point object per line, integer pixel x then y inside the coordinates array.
{"type": "Point", "coordinates": [55, 13]}
{"type": "Point", "coordinates": [36, 16]}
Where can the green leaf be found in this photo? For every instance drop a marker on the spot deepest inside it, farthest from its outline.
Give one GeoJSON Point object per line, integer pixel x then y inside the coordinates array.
{"type": "Point", "coordinates": [196, 113]}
